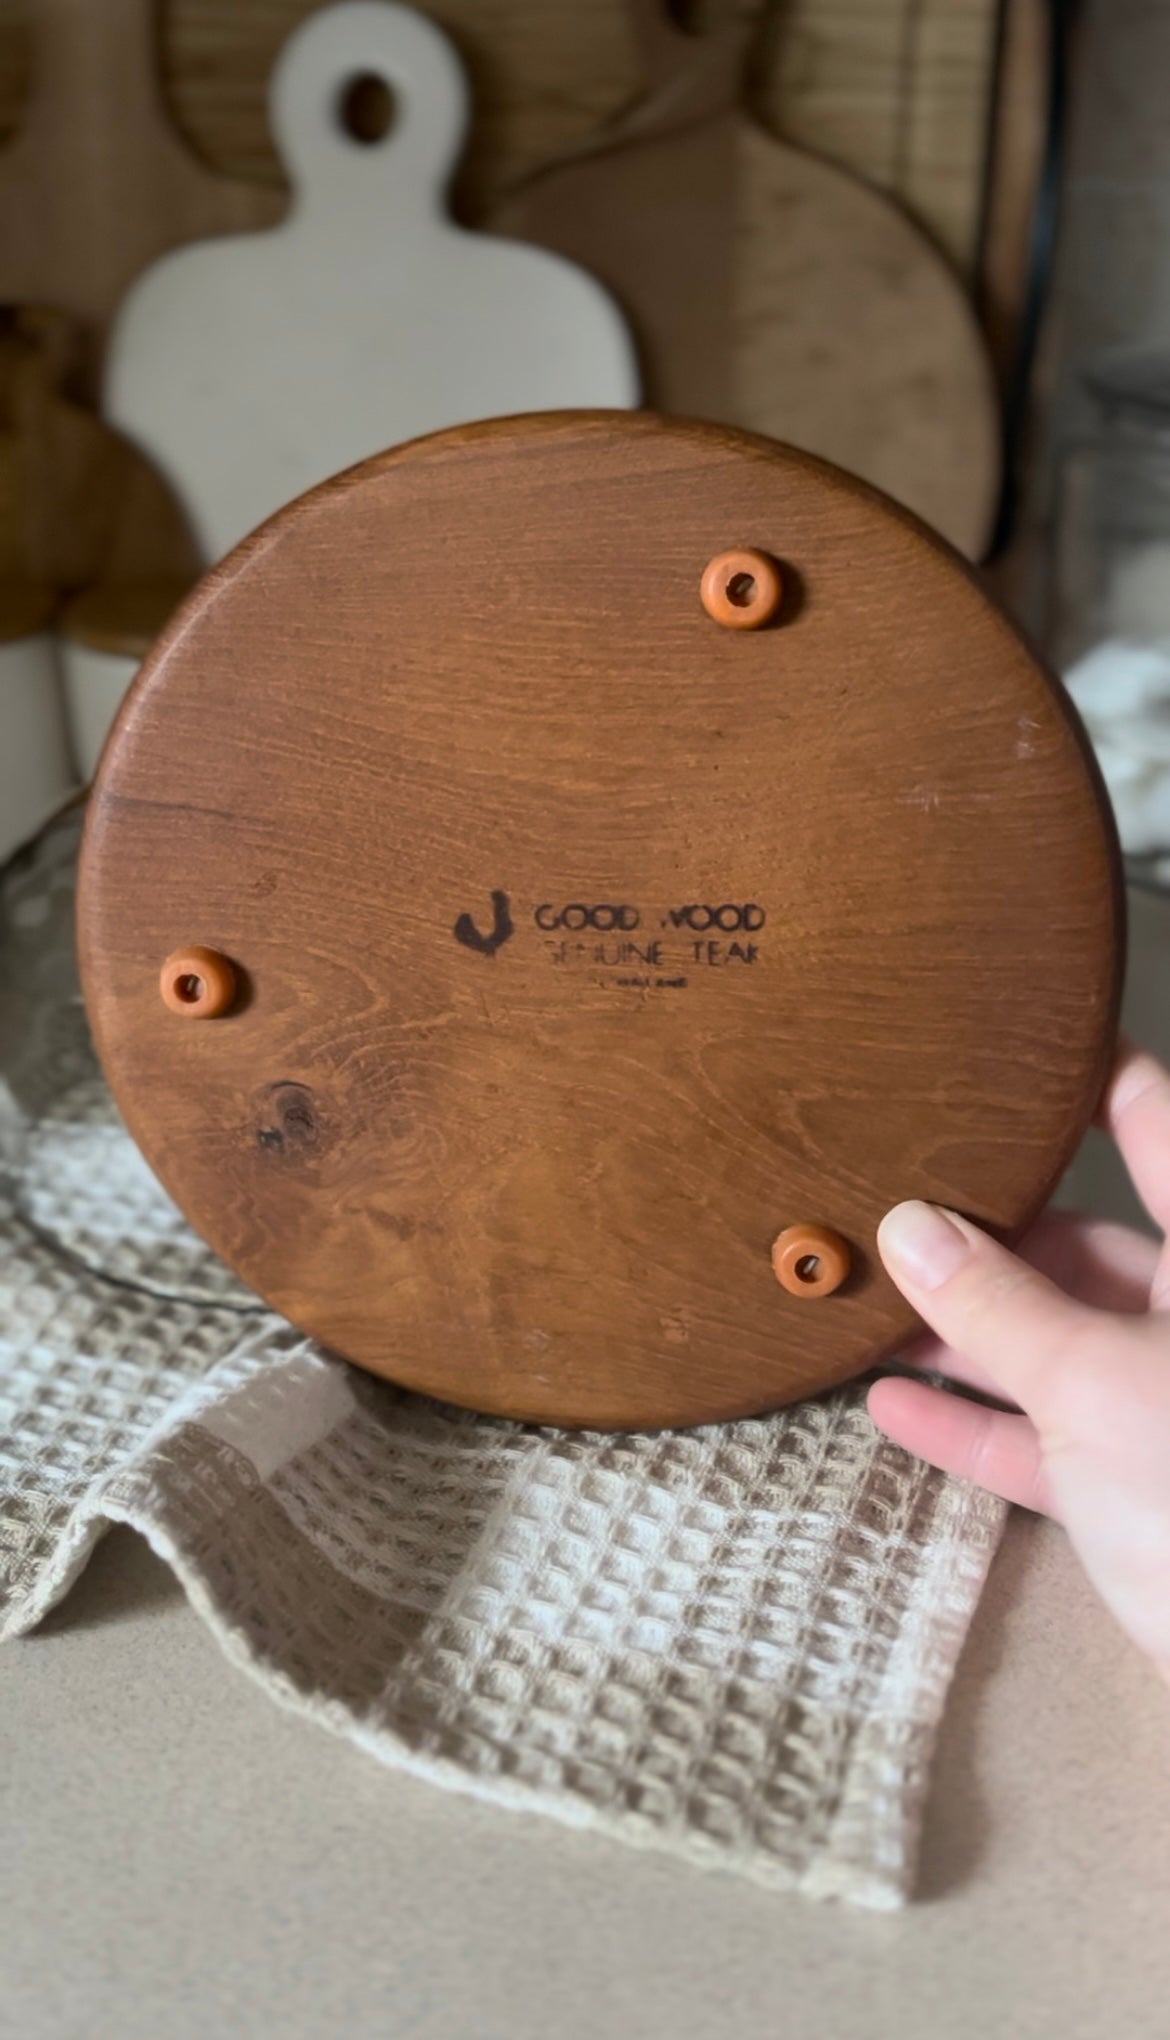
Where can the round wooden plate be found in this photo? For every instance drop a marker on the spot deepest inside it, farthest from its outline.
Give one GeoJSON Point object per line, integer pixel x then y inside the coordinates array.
{"type": "Point", "coordinates": [579, 945]}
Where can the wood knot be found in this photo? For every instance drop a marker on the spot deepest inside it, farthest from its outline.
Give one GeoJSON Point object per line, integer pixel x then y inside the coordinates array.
{"type": "Point", "coordinates": [287, 1121]}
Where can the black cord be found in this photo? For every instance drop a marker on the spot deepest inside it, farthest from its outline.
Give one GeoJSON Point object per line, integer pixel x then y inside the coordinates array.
{"type": "Point", "coordinates": [1042, 240]}
{"type": "Point", "coordinates": [991, 135]}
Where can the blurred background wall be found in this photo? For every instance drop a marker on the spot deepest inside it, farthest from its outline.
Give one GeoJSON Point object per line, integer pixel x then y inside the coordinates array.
{"type": "Point", "coordinates": [1112, 284]}
{"type": "Point", "coordinates": [1026, 140]}
{"type": "Point", "coordinates": [894, 90]}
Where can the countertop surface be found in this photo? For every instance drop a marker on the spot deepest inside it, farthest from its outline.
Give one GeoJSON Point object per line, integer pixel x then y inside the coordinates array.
{"type": "Point", "coordinates": [182, 1858]}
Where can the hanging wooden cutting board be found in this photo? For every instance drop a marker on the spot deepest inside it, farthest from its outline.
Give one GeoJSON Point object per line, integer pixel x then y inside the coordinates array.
{"type": "Point", "coordinates": [253, 368]}
{"type": "Point", "coordinates": [97, 184]}
{"type": "Point", "coordinates": [770, 290]}
{"type": "Point", "coordinates": [78, 504]}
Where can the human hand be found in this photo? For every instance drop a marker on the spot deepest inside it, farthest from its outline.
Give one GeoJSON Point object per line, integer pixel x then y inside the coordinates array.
{"type": "Point", "coordinates": [1075, 1333]}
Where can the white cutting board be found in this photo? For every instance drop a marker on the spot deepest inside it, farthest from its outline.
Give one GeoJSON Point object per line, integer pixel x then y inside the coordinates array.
{"type": "Point", "coordinates": [253, 366]}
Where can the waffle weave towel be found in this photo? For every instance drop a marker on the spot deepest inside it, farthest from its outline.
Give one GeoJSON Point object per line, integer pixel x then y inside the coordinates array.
{"type": "Point", "coordinates": [732, 1643]}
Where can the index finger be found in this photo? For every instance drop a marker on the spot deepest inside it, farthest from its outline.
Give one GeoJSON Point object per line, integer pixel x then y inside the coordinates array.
{"type": "Point", "coordinates": [1136, 1111]}
{"type": "Point", "coordinates": [1005, 1319]}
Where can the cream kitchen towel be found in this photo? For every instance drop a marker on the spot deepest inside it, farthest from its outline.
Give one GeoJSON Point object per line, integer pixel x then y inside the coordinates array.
{"type": "Point", "coordinates": [733, 1644]}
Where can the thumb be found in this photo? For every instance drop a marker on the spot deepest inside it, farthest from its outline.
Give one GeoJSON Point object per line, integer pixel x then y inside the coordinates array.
{"type": "Point", "coordinates": [979, 1298]}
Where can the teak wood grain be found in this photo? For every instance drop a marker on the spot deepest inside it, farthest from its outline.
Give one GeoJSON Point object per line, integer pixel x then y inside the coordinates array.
{"type": "Point", "coordinates": [540, 1170]}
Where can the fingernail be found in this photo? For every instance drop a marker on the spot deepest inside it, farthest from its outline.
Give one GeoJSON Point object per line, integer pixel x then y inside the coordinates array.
{"type": "Point", "coordinates": [922, 1242]}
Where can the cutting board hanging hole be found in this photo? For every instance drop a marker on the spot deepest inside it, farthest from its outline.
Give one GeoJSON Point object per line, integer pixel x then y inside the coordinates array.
{"type": "Point", "coordinates": [366, 108]}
